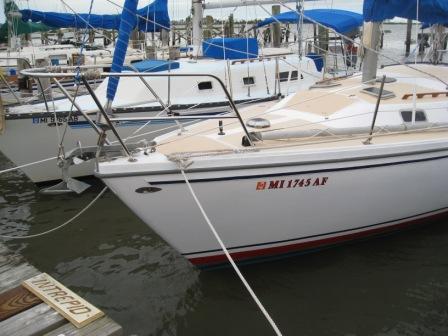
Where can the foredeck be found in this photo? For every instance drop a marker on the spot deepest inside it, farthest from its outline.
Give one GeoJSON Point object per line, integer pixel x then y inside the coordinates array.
{"type": "Point", "coordinates": [341, 106]}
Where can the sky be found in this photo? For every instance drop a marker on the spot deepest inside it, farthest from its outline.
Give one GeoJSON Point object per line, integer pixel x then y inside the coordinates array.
{"type": "Point", "coordinates": [178, 9]}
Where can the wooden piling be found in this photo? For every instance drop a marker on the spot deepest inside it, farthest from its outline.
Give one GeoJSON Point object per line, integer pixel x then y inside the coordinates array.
{"type": "Point", "coordinates": [408, 37]}
{"type": "Point", "coordinates": [24, 314]}
{"type": "Point", "coordinates": [276, 32]}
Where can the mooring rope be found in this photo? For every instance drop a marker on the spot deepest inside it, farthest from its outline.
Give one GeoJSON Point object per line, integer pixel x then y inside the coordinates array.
{"type": "Point", "coordinates": [229, 257]}
{"type": "Point", "coordinates": [27, 165]}
{"type": "Point", "coordinates": [63, 224]}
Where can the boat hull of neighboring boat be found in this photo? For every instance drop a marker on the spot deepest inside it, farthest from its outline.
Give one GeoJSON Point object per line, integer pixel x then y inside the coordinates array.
{"type": "Point", "coordinates": [44, 143]}
{"type": "Point", "coordinates": [35, 121]}
{"type": "Point", "coordinates": [299, 201]}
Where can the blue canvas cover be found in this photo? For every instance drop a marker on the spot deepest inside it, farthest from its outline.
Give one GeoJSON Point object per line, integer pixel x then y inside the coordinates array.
{"type": "Point", "coordinates": [342, 21]}
{"type": "Point", "coordinates": [230, 48]}
{"type": "Point", "coordinates": [127, 24]}
{"type": "Point", "coordinates": [430, 11]}
{"type": "Point", "coordinates": [154, 66]}
{"type": "Point", "coordinates": [318, 60]}
{"type": "Point", "coordinates": [156, 13]}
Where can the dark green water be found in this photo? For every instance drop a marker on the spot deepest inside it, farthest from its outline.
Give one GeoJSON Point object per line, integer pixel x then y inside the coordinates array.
{"type": "Point", "coordinates": [395, 285]}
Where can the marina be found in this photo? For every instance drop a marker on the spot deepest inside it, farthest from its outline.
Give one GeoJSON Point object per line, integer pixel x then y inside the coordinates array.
{"type": "Point", "coordinates": [297, 187]}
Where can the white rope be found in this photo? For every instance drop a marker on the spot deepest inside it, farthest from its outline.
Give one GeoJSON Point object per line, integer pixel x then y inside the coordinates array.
{"type": "Point", "coordinates": [26, 165]}
{"type": "Point", "coordinates": [63, 224]}
{"type": "Point", "coordinates": [229, 257]}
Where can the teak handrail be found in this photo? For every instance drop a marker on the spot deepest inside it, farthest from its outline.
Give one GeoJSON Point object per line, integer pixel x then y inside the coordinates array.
{"type": "Point", "coordinates": [423, 94]}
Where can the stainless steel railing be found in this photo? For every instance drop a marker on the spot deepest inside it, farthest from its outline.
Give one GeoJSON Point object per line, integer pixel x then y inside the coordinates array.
{"type": "Point", "coordinates": [109, 120]}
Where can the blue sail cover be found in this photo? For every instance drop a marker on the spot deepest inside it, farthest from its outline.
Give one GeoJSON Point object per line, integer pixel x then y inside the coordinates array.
{"type": "Point", "coordinates": [127, 23]}
{"type": "Point", "coordinates": [340, 20]}
{"type": "Point", "coordinates": [230, 48]}
{"type": "Point", "coordinates": [430, 11]}
{"type": "Point", "coordinates": [151, 18]}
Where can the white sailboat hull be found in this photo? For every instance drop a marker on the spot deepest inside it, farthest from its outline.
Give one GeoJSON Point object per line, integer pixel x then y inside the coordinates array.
{"type": "Point", "coordinates": [42, 140]}
{"type": "Point", "coordinates": [269, 205]}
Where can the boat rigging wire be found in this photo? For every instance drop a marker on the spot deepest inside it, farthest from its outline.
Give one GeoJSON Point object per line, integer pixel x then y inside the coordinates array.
{"type": "Point", "coordinates": [229, 257]}
{"type": "Point", "coordinates": [63, 224]}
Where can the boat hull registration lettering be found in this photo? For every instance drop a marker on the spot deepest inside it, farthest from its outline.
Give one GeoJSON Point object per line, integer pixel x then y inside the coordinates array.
{"type": "Point", "coordinates": [292, 183]}
{"type": "Point", "coordinates": [49, 120]}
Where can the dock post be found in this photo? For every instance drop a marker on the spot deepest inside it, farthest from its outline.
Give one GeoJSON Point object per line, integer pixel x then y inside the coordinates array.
{"type": "Point", "coordinates": [408, 37]}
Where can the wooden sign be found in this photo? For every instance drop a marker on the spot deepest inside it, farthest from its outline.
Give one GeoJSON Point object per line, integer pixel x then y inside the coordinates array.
{"type": "Point", "coordinates": [75, 309]}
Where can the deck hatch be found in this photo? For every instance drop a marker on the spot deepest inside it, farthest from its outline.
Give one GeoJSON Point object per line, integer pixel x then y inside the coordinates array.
{"type": "Point", "coordinates": [374, 91]}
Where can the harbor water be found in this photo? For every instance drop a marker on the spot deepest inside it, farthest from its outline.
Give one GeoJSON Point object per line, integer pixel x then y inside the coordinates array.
{"type": "Point", "coordinates": [393, 285]}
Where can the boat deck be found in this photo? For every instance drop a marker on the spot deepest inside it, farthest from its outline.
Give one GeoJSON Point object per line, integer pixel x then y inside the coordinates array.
{"type": "Point", "coordinates": [340, 106]}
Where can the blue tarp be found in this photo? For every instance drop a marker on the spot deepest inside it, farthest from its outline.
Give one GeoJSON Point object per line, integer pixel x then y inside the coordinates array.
{"type": "Point", "coordinates": [430, 11]}
{"type": "Point", "coordinates": [318, 60]}
{"type": "Point", "coordinates": [154, 66]}
{"type": "Point", "coordinates": [156, 13]}
{"type": "Point", "coordinates": [340, 20]}
{"type": "Point", "coordinates": [230, 48]}
{"type": "Point", "coordinates": [127, 23]}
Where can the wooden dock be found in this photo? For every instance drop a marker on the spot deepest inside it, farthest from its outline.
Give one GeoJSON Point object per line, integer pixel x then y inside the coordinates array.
{"type": "Point", "coordinates": [24, 314]}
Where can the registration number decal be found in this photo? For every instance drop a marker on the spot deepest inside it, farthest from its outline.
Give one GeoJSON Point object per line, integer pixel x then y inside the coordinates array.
{"type": "Point", "coordinates": [292, 183]}
{"type": "Point", "coordinates": [47, 120]}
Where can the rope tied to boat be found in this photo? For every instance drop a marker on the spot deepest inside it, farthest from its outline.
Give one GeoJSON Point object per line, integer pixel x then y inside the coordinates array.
{"type": "Point", "coordinates": [226, 252]}
{"type": "Point", "coordinates": [88, 206]}
{"type": "Point", "coordinates": [27, 165]}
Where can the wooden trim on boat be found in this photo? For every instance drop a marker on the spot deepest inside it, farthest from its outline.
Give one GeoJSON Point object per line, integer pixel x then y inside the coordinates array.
{"type": "Point", "coordinates": [423, 94]}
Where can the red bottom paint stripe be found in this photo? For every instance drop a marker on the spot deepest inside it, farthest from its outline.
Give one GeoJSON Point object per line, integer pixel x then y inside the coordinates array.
{"type": "Point", "coordinates": [286, 249]}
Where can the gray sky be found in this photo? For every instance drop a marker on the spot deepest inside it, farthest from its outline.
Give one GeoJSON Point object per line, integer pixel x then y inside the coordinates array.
{"type": "Point", "coordinates": [177, 8]}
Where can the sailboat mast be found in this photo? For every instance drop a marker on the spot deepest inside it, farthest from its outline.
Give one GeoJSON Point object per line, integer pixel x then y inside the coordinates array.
{"type": "Point", "coordinates": [197, 34]}
{"type": "Point", "coordinates": [300, 9]}
{"type": "Point", "coordinates": [371, 40]}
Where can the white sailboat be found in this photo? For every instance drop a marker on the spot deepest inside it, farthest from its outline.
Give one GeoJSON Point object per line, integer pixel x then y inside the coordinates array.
{"type": "Point", "coordinates": [253, 76]}
{"type": "Point", "coordinates": [333, 163]}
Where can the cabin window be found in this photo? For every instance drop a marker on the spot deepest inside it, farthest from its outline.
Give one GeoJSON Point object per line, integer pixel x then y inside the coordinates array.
{"type": "Point", "coordinates": [249, 80]}
{"type": "Point", "coordinates": [205, 85]}
{"type": "Point", "coordinates": [284, 76]}
{"type": "Point", "coordinates": [294, 75]}
{"type": "Point", "coordinates": [374, 91]}
{"type": "Point", "coordinates": [407, 115]}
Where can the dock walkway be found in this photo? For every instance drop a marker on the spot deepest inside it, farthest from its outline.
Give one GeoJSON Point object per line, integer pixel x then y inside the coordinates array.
{"type": "Point", "coordinates": [24, 314]}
